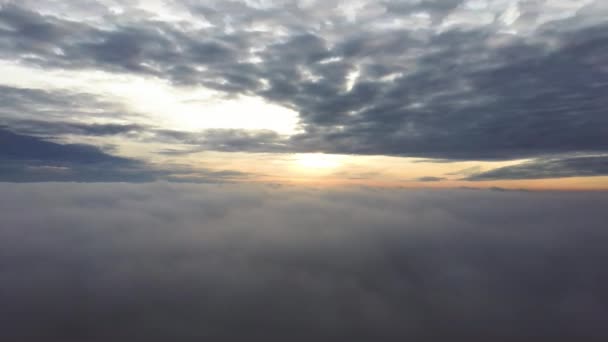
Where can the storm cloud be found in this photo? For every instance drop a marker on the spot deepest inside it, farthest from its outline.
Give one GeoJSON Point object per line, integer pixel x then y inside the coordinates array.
{"type": "Point", "coordinates": [163, 261]}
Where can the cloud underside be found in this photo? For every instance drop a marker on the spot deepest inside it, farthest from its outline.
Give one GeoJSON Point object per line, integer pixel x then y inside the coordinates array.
{"type": "Point", "coordinates": [587, 166]}
{"type": "Point", "coordinates": [162, 262]}
{"type": "Point", "coordinates": [26, 158]}
{"type": "Point", "coordinates": [528, 83]}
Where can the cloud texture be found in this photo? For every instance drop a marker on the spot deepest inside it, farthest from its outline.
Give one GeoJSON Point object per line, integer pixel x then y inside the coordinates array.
{"type": "Point", "coordinates": [162, 262]}
{"type": "Point", "coordinates": [477, 80]}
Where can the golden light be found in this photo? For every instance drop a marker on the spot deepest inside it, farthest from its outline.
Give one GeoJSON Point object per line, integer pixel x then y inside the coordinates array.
{"type": "Point", "coordinates": [318, 161]}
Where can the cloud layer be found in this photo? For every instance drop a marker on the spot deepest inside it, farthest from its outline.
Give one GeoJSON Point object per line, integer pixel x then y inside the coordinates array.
{"type": "Point", "coordinates": [466, 80]}
{"type": "Point", "coordinates": [162, 262]}
{"type": "Point", "coordinates": [573, 166]}
{"type": "Point", "coordinates": [25, 158]}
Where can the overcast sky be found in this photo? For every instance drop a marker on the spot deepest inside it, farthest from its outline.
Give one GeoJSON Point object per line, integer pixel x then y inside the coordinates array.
{"type": "Point", "coordinates": [393, 93]}
{"type": "Point", "coordinates": [303, 170]}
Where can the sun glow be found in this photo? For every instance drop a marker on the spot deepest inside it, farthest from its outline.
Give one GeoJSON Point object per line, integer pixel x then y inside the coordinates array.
{"type": "Point", "coordinates": [318, 161]}
{"type": "Point", "coordinates": [154, 102]}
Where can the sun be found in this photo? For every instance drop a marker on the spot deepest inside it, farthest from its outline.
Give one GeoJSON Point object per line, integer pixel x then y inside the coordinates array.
{"type": "Point", "coordinates": [318, 161]}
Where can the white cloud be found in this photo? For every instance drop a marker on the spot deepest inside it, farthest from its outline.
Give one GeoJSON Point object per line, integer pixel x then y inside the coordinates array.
{"type": "Point", "coordinates": [157, 102]}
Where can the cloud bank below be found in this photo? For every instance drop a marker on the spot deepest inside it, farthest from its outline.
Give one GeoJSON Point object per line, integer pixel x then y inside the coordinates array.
{"type": "Point", "coordinates": [158, 262]}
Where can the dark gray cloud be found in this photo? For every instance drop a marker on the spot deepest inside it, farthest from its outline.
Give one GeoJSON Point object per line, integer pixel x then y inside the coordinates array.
{"type": "Point", "coordinates": [29, 159]}
{"type": "Point", "coordinates": [578, 166]}
{"type": "Point", "coordinates": [59, 128]}
{"type": "Point", "coordinates": [437, 9]}
{"type": "Point", "coordinates": [31, 108]}
{"type": "Point", "coordinates": [227, 140]}
{"type": "Point", "coordinates": [162, 262]}
{"type": "Point", "coordinates": [455, 106]}
{"type": "Point", "coordinates": [25, 158]}
{"type": "Point", "coordinates": [143, 46]}
{"type": "Point", "coordinates": [406, 78]}
{"type": "Point", "coordinates": [430, 179]}
{"type": "Point", "coordinates": [22, 147]}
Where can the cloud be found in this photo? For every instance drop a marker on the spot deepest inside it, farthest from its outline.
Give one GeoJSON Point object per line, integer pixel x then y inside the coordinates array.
{"type": "Point", "coordinates": [35, 108]}
{"type": "Point", "coordinates": [59, 128]}
{"type": "Point", "coordinates": [22, 147]}
{"type": "Point", "coordinates": [466, 171]}
{"type": "Point", "coordinates": [577, 166]}
{"type": "Point", "coordinates": [226, 140]}
{"type": "Point", "coordinates": [25, 158]}
{"type": "Point", "coordinates": [435, 79]}
{"type": "Point", "coordinates": [187, 262]}
{"type": "Point", "coordinates": [430, 179]}
{"type": "Point", "coordinates": [405, 78]}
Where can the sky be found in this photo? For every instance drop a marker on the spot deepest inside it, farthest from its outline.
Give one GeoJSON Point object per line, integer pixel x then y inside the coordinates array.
{"type": "Point", "coordinates": [303, 170]}
{"type": "Point", "coordinates": [395, 93]}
